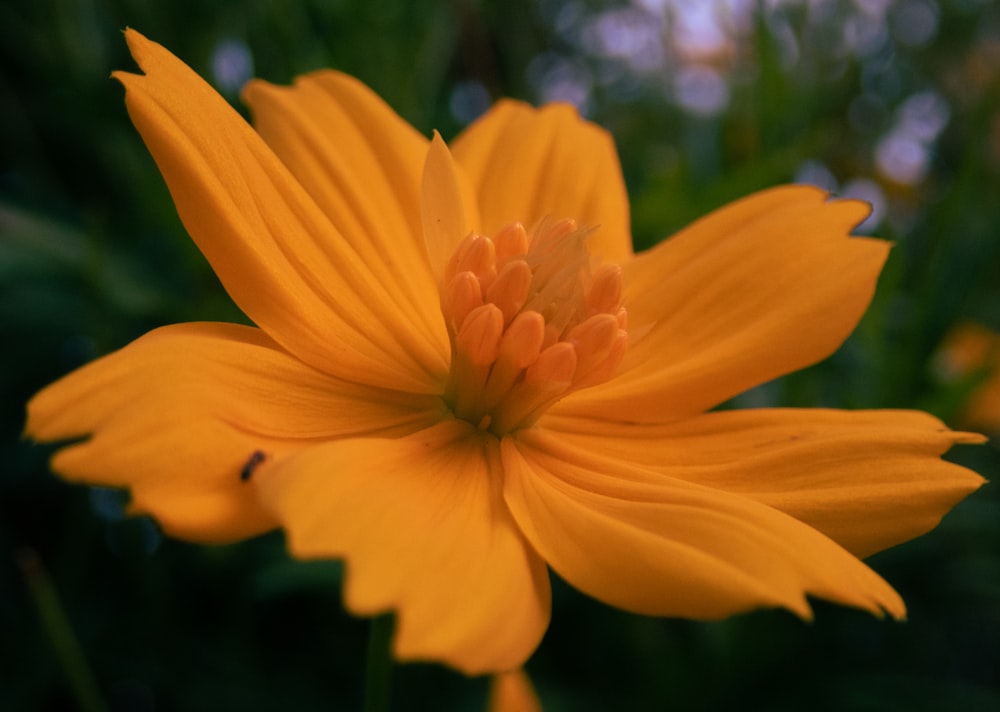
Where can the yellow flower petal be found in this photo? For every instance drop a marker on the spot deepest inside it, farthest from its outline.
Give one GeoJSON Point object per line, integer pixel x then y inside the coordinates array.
{"type": "Point", "coordinates": [660, 546]}
{"type": "Point", "coordinates": [448, 207]}
{"type": "Point", "coordinates": [424, 532]}
{"type": "Point", "coordinates": [276, 253]}
{"type": "Point", "coordinates": [362, 164]}
{"type": "Point", "coordinates": [177, 415]}
{"type": "Point", "coordinates": [867, 479]}
{"type": "Point", "coordinates": [762, 287]}
{"type": "Point", "coordinates": [513, 692]}
{"type": "Point", "coordinates": [528, 164]}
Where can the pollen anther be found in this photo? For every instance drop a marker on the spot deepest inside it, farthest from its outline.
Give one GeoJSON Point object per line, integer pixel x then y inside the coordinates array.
{"type": "Point", "coordinates": [479, 336]}
{"type": "Point", "coordinates": [509, 290]}
{"type": "Point", "coordinates": [464, 293]}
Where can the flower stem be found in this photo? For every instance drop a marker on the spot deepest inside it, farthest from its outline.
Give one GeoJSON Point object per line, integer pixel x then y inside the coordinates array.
{"type": "Point", "coordinates": [379, 665]}
{"type": "Point", "coordinates": [60, 633]}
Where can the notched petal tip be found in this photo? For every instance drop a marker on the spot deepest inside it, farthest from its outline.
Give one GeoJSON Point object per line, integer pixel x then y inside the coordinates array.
{"type": "Point", "coordinates": [137, 44]}
{"type": "Point", "coordinates": [143, 49]}
{"type": "Point", "coordinates": [861, 210]}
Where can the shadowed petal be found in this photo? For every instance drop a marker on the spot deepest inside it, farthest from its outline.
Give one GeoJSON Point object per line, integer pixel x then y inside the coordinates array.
{"type": "Point", "coordinates": [276, 253]}
{"type": "Point", "coordinates": [529, 164]}
{"type": "Point", "coordinates": [656, 545]}
{"type": "Point", "coordinates": [176, 416]}
{"type": "Point", "coordinates": [424, 532]}
{"type": "Point", "coordinates": [867, 479]}
{"type": "Point", "coordinates": [765, 286]}
{"type": "Point", "coordinates": [362, 165]}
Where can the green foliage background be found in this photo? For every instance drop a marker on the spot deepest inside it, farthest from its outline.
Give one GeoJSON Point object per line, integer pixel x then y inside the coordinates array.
{"type": "Point", "coordinates": [101, 612]}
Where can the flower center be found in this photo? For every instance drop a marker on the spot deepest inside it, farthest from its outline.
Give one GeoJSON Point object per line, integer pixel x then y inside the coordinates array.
{"type": "Point", "coordinates": [530, 321]}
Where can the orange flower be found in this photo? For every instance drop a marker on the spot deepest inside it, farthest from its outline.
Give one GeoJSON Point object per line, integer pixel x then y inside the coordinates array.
{"type": "Point", "coordinates": [461, 375]}
{"type": "Point", "coordinates": [972, 351]}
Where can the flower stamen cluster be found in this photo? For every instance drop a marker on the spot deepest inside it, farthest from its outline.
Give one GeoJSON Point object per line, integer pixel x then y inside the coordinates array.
{"type": "Point", "coordinates": [530, 321]}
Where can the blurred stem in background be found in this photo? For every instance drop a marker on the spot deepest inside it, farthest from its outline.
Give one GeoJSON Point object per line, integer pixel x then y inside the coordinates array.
{"type": "Point", "coordinates": [60, 633]}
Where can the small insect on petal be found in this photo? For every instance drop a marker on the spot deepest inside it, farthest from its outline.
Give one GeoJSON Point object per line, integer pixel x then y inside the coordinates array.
{"type": "Point", "coordinates": [257, 457]}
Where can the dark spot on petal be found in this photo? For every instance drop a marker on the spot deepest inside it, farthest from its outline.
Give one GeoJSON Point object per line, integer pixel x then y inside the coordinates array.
{"type": "Point", "coordinates": [255, 459]}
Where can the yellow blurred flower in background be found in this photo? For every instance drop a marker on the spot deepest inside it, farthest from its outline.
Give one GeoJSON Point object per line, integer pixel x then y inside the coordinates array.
{"type": "Point", "coordinates": [973, 351]}
{"type": "Point", "coordinates": [461, 375]}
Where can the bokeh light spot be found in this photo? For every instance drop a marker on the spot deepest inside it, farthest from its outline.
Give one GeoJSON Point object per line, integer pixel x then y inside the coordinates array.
{"type": "Point", "coordinates": [232, 65]}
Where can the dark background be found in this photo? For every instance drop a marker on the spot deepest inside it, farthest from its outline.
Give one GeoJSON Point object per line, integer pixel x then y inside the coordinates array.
{"type": "Point", "coordinates": [896, 101]}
